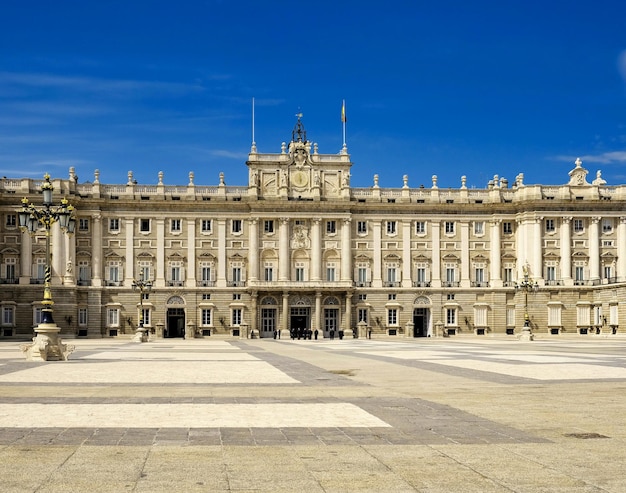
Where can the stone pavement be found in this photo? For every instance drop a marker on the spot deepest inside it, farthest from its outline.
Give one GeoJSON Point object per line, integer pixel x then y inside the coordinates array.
{"type": "Point", "coordinates": [464, 414]}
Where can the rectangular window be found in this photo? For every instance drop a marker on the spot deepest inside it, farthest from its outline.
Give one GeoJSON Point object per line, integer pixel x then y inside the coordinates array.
{"type": "Point", "coordinates": [608, 272]}
{"type": "Point", "coordinates": [175, 225]}
{"type": "Point", "coordinates": [10, 268]}
{"type": "Point", "coordinates": [83, 316]}
{"type": "Point", "coordinates": [114, 224]}
{"type": "Point", "coordinates": [449, 227]}
{"type": "Point", "coordinates": [507, 228]}
{"type": "Point", "coordinates": [579, 273]}
{"type": "Point", "coordinates": [420, 228]}
{"type": "Point", "coordinates": [113, 317]}
{"type": "Point", "coordinates": [330, 272]}
{"type": "Point", "coordinates": [550, 225]}
{"type": "Point", "coordinates": [175, 272]}
{"type": "Point", "coordinates": [550, 273]}
{"type": "Point", "coordinates": [450, 316]}
{"type": "Point", "coordinates": [144, 225]}
{"type": "Point", "coordinates": [83, 224]}
{"type": "Point", "coordinates": [38, 315]}
{"type": "Point", "coordinates": [205, 273]}
{"type": "Point", "coordinates": [450, 271]}
{"type": "Point", "coordinates": [579, 226]}
{"type": "Point", "coordinates": [391, 274]}
{"type": "Point", "coordinates": [392, 227]}
{"type": "Point", "coordinates": [236, 272]}
{"type": "Point", "coordinates": [114, 273]}
{"type": "Point", "coordinates": [145, 271]}
{"type": "Point", "coordinates": [361, 315]}
{"type": "Point", "coordinates": [331, 227]}
{"type": "Point", "coordinates": [236, 226]}
{"type": "Point", "coordinates": [300, 272]}
{"type": "Point", "coordinates": [420, 274]}
{"type": "Point", "coordinates": [269, 272]}
{"type": "Point", "coordinates": [479, 228]}
{"type": "Point", "coordinates": [11, 220]}
{"type": "Point", "coordinates": [508, 275]}
{"type": "Point", "coordinates": [361, 227]}
{"type": "Point", "coordinates": [479, 274]}
{"type": "Point", "coordinates": [236, 316]}
{"type": "Point", "coordinates": [392, 316]}
{"type": "Point", "coordinates": [7, 315]}
{"type": "Point", "coordinates": [236, 296]}
{"type": "Point", "coordinates": [362, 275]}
{"type": "Point", "coordinates": [206, 316]}
{"type": "Point", "coordinates": [268, 226]}
{"type": "Point", "coordinates": [607, 225]}
{"type": "Point", "coordinates": [206, 225]}
{"type": "Point", "coordinates": [145, 316]}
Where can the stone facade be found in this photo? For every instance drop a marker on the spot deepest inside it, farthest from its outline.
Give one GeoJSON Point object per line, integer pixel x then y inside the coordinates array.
{"type": "Point", "coordinates": [299, 248]}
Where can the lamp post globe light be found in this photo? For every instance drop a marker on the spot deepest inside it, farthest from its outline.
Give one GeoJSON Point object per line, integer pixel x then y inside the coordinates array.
{"type": "Point", "coordinates": [141, 334]}
{"type": "Point", "coordinates": [47, 345]}
{"type": "Point", "coordinates": [527, 286]}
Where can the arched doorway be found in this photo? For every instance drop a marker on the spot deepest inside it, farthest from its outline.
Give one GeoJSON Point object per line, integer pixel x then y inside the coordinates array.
{"type": "Point", "coordinates": [300, 316]}
{"type": "Point", "coordinates": [422, 322]}
{"type": "Point", "coordinates": [175, 317]}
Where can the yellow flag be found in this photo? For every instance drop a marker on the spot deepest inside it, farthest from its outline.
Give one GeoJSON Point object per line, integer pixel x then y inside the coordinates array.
{"type": "Point", "coordinates": [343, 112]}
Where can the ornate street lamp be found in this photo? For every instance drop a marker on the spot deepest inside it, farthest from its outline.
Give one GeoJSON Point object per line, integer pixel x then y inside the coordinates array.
{"type": "Point", "coordinates": [527, 286]}
{"type": "Point", "coordinates": [141, 334]}
{"type": "Point", "coordinates": [46, 345]}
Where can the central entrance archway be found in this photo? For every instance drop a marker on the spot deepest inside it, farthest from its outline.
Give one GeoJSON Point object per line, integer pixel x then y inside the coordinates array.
{"type": "Point", "coordinates": [422, 323]}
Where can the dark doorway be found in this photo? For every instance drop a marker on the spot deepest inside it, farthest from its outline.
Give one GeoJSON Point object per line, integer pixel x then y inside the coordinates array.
{"type": "Point", "coordinates": [175, 323]}
{"type": "Point", "coordinates": [420, 322]}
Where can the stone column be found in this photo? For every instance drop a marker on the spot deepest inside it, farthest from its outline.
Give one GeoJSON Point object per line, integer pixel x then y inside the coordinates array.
{"type": "Point", "coordinates": [129, 268]}
{"type": "Point", "coordinates": [377, 280]}
{"type": "Point", "coordinates": [465, 260]}
{"type": "Point", "coordinates": [190, 274]}
{"type": "Point", "coordinates": [566, 252]}
{"type": "Point", "coordinates": [253, 249]}
{"type": "Point", "coordinates": [285, 316]}
{"type": "Point", "coordinates": [26, 258]}
{"type": "Point", "coordinates": [316, 249]}
{"type": "Point", "coordinates": [536, 263]}
{"type": "Point", "coordinates": [70, 260]}
{"type": "Point", "coordinates": [283, 249]}
{"type": "Point", "coordinates": [96, 251]}
{"type": "Point", "coordinates": [221, 253]}
{"type": "Point", "coordinates": [58, 254]}
{"type": "Point", "coordinates": [347, 325]}
{"type": "Point", "coordinates": [495, 274]}
{"type": "Point", "coordinates": [436, 252]}
{"type": "Point", "coordinates": [317, 315]}
{"type": "Point", "coordinates": [254, 316]}
{"type": "Point", "coordinates": [160, 254]}
{"type": "Point", "coordinates": [594, 249]}
{"type": "Point", "coordinates": [406, 254]}
{"type": "Point", "coordinates": [346, 251]}
{"type": "Point", "coordinates": [621, 249]}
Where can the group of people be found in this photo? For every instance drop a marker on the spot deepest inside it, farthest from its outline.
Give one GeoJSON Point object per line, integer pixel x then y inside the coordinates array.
{"type": "Point", "coordinates": [302, 333]}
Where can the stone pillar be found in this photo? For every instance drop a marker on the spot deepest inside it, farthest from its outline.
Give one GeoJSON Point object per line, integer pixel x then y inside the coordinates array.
{"type": "Point", "coordinates": [283, 249]}
{"type": "Point", "coordinates": [495, 274]}
{"type": "Point", "coordinates": [160, 254]}
{"type": "Point", "coordinates": [621, 249]}
{"type": "Point", "coordinates": [377, 280]}
{"type": "Point", "coordinates": [536, 263]}
{"type": "Point", "coordinates": [594, 249]}
{"type": "Point", "coordinates": [566, 251]}
{"type": "Point", "coordinates": [347, 330]}
{"type": "Point", "coordinates": [465, 260]}
{"type": "Point", "coordinates": [96, 251]}
{"type": "Point", "coordinates": [254, 316]}
{"type": "Point", "coordinates": [58, 254]}
{"type": "Point", "coordinates": [26, 258]}
{"type": "Point", "coordinates": [436, 254]}
{"type": "Point", "coordinates": [406, 254]}
{"type": "Point", "coordinates": [316, 249]}
{"type": "Point", "coordinates": [70, 260]}
{"type": "Point", "coordinates": [221, 253]}
{"type": "Point", "coordinates": [190, 274]}
{"type": "Point", "coordinates": [317, 314]}
{"type": "Point", "coordinates": [346, 251]}
{"type": "Point", "coordinates": [285, 316]}
{"type": "Point", "coordinates": [129, 269]}
{"type": "Point", "coordinates": [253, 250]}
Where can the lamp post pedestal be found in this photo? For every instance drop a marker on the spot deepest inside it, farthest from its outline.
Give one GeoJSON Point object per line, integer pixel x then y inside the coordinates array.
{"type": "Point", "coordinates": [47, 345]}
{"type": "Point", "coordinates": [141, 335]}
{"type": "Point", "coordinates": [526, 334]}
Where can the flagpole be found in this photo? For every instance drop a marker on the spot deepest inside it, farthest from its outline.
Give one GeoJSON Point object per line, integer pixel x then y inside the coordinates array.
{"type": "Point", "coordinates": [253, 148]}
{"type": "Point", "coordinates": [343, 120]}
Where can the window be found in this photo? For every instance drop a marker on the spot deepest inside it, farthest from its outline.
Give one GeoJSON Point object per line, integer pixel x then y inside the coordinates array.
{"type": "Point", "coordinates": [144, 225]}
{"type": "Point", "coordinates": [11, 221]}
{"type": "Point", "coordinates": [362, 275]}
{"type": "Point", "coordinates": [579, 226]}
{"type": "Point", "coordinates": [206, 317]}
{"type": "Point", "coordinates": [550, 225]}
{"type": "Point", "coordinates": [175, 272]}
{"type": "Point", "coordinates": [269, 272]}
{"type": "Point", "coordinates": [361, 315]}
{"type": "Point", "coordinates": [331, 227]}
{"type": "Point", "coordinates": [300, 272]}
{"type": "Point", "coordinates": [550, 273]}
{"type": "Point", "coordinates": [175, 225]}
{"type": "Point", "coordinates": [479, 275]}
{"type": "Point", "coordinates": [236, 296]}
{"type": "Point", "coordinates": [84, 271]}
{"type": "Point", "coordinates": [145, 270]}
{"type": "Point", "coordinates": [114, 272]}
{"type": "Point", "coordinates": [206, 296]}
{"type": "Point", "coordinates": [392, 227]}
{"type": "Point", "coordinates": [206, 225]}
{"type": "Point", "coordinates": [37, 315]}
{"type": "Point", "coordinates": [330, 271]}
{"type": "Point", "coordinates": [236, 226]}
{"type": "Point", "coordinates": [113, 317]}
{"type": "Point", "coordinates": [608, 272]}
{"type": "Point", "coordinates": [8, 315]}
{"type": "Point", "coordinates": [392, 274]}
{"type": "Point", "coordinates": [391, 297]}
{"type": "Point", "coordinates": [450, 274]}
{"type": "Point", "coordinates": [420, 228]}
{"type": "Point", "coordinates": [83, 317]}
{"type": "Point", "coordinates": [579, 273]}
{"type": "Point", "coordinates": [361, 227]}
{"type": "Point", "coordinates": [420, 275]}
{"type": "Point", "coordinates": [479, 228]}
{"type": "Point", "coordinates": [114, 224]}
{"type": "Point", "coordinates": [607, 225]}
{"type": "Point", "coordinates": [508, 276]}
{"type": "Point", "coordinates": [268, 226]}
{"type": "Point", "coordinates": [450, 297]}
{"type": "Point", "coordinates": [145, 316]}
{"type": "Point", "coordinates": [236, 273]}
{"type": "Point", "coordinates": [362, 297]}
{"type": "Point", "coordinates": [449, 227]}
{"type": "Point", "coordinates": [392, 316]}
{"type": "Point", "coordinates": [10, 268]}
{"type": "Point", "coordinates": [205, 273]}
{"type": "Point", "coordinates": [450, 316]}
{"type": "Point", "coordinates": [39, 268]}
{"type": "Point", "coordinates": [507, 228]}
{"type": "Point", "coordinates": [236, 316]}
{"type": "Point", "coordinates": [83, 224]}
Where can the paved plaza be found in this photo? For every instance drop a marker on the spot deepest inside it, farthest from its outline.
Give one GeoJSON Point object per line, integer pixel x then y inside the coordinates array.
{"type": "Point", "coordinates": [461, 414]}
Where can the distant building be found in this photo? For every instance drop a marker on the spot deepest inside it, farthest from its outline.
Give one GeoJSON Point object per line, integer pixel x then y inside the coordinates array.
{"type": "Point", "coordinates": [299, 248]}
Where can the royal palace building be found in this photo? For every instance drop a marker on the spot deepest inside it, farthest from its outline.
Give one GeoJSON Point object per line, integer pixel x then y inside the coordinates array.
{"type": "Point", "coordinates": [298, 249]}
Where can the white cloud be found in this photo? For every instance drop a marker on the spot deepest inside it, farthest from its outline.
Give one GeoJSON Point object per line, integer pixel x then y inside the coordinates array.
{"type": "Point", "coordinates": [615, 157]}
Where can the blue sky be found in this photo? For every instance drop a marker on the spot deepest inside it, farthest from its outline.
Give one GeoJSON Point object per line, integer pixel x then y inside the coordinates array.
{"type": "Point", "coordinates": [449, 88]}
